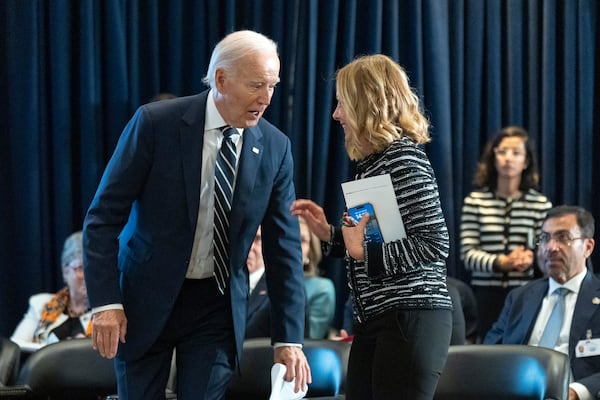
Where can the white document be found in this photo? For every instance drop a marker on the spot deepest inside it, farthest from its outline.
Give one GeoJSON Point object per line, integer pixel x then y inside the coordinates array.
{"type": "Point", "coordinates": [379, 191]}
{"type": "Point", "coordinates": [280, 388]}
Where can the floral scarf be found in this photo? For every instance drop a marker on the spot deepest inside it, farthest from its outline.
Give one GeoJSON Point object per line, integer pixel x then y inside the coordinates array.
{"type": "Point", "coordinates": [53, 309]}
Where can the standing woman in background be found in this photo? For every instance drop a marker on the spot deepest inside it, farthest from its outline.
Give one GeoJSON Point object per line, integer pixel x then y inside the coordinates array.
{"type": "Point", "coordinates": [402, 309]}
{"type": "Point", "coordinates": [320, 291]}
{"type": "Point", "coordinates": [501, 221]}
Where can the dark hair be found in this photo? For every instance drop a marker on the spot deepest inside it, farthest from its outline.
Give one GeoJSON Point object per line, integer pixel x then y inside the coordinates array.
{"type": "Point", "coordinates": [163, 96]}
{"type": "Point", "coordinates": [487, 175]}
{"type": "Point", "coordinates": [585, 219]}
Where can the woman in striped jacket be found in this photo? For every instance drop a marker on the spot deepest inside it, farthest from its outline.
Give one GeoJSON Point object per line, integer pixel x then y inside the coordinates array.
{"type": "Point", "coordinates": [501, 221]}
{"type": "Point", "coordinates": [402, 309]}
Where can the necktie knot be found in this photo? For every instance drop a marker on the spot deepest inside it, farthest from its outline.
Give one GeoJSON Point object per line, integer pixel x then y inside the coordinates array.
{"type": "Point", "coordinates": [561, 291]}
{"type": "Point", "coordinates": [228, 131]}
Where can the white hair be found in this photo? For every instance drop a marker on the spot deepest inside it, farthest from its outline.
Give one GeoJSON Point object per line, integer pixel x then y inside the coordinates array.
{"type": "Point", "coordinates": [232, 48]}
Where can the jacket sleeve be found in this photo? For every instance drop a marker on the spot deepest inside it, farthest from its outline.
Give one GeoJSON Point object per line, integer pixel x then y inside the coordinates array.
{"type": "Point", "coordinates": [121, 183]}
{"type": "Point", "coordinates": [283, 257]}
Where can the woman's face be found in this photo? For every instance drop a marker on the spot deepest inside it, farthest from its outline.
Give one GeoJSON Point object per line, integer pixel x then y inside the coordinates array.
{"type": "Point", "coordinates": [305, 238]}
{"type": "Point", "coordinates": [511, 157]}
{"type": "Point", "coordinates": [73, 276]}
{"type": "Point", "coordinates": [339, 114]}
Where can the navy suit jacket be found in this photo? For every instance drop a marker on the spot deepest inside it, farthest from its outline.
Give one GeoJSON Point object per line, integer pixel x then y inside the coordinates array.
{"type": "Point", "coordinates": [516, 321]}
{"type": "Point", "coordinates": [259, 311]}
{"type": "Point", "coordinates": [139, 229]}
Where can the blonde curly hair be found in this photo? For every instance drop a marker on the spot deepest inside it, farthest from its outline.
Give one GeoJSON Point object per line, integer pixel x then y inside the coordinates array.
{"type": "Point", "coordinates": [379, 105]}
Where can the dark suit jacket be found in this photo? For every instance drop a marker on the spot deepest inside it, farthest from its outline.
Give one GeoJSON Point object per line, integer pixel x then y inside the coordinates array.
{"type": "Point", "coordinates": [148, 198]}
{"type": "Point", "coordinates": [259, 311]}
{"type": "Point", "coordinates": [520, 311]}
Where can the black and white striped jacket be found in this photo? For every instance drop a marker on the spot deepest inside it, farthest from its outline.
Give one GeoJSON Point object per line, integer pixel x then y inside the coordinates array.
{"type": "Point", "coordinates": [409, 273]}
{"type": "Point", "coordinates": [491, 226]}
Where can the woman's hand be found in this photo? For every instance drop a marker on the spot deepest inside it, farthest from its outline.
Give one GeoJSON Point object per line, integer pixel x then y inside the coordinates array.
{"type": "Point", "coordinates": [354, 236]}
{"type": "Point", "coordinates": [314, 216]}
{"type": "Point", "coordinates": [520, 259]}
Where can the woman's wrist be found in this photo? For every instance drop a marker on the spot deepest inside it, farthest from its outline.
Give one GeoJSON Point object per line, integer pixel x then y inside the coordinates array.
{"type": "Point", "coordinates": [331, 235]}
{"type": "Point", "coordinates": [498, 263]}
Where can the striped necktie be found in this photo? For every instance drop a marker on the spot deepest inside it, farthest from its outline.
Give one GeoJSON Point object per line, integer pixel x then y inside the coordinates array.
{"type": "Point", "coordinates": [224, 178]}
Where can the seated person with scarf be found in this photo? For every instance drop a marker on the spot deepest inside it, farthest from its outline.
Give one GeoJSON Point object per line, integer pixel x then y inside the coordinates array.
{"type": "Point", "coordinates": [64, 315]}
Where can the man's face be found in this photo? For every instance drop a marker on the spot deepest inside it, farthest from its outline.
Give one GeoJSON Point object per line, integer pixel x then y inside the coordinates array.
{"type": "Point", "coordinates": [255, 259]}
{"type": "Point", "coordinates": [244, 93]}
{"type": "Point", "coordinates": [562, 250]}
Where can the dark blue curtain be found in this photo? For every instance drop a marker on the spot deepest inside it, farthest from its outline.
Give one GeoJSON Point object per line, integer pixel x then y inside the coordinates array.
{"type": "Point", "coordinates": [73, 72]}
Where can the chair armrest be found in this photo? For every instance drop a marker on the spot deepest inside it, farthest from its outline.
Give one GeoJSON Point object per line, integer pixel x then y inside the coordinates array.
{"type": "Point", "coordinates": [16, 392]}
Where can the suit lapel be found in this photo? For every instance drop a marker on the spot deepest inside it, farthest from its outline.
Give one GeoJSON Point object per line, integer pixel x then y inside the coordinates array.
{"type": "Point", "coordinates": [251, 155]}
{"type": "Point", "coordinates": [532, 308]}
{"type": "Point", "coordinates": [584, 310]}
{"type": "Point", "coordinates": [192, 140]}
{"type": "Point", "coordinates": [258, 295]}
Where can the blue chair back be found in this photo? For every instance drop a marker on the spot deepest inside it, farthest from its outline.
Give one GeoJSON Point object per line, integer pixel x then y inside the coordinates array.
{"type": "Point", "coordinates": [326, 369]}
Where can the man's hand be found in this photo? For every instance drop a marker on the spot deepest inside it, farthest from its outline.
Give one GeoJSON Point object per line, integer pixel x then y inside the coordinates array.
{"type": "Point", "coordinates": [108, 328]}
{"type": "Point", "coordinates": [296, 365]}
{"type": "Point", "coordinates": [573, 395]}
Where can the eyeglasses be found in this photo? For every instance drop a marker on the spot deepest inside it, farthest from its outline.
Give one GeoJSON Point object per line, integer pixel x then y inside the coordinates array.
{"type": "Point", "coordinates": [74, 265]}
{"type": "Point", "coordinates": [503, 152]}
{"type": "Point", "coordinates": [563, 238]}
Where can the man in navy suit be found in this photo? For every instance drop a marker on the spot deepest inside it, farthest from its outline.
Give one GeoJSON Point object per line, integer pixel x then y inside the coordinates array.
{"type": "Point", "coordinates": [259, 307]}
{"type": "Point", "coordinates": [565, 243]}
{"type": "Point", "coordinates": [148, 234]}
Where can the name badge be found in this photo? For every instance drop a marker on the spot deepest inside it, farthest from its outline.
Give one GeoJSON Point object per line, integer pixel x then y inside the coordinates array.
{"type": "Point", "coordinates": [587, 348]}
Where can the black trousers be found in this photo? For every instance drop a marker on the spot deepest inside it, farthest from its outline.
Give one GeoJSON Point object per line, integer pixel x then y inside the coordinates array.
{"type": "Point", "coordinates": [399, 355]}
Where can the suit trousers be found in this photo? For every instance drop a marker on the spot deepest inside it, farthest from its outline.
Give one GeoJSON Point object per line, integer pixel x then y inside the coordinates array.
{"type": "Point", "coordinates": [200, 330]}
{"type": "Point", "coordinates": [399, 355]}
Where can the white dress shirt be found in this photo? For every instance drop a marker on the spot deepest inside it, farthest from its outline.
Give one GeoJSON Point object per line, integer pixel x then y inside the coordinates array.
{"type": "Point", "coordinates": [254, 277]}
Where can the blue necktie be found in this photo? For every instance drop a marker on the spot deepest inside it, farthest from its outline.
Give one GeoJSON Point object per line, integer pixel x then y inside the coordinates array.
{"type": "Point", "coordinates": [224, 178]}
{"type": "Point", "coordinates": [552, 329]}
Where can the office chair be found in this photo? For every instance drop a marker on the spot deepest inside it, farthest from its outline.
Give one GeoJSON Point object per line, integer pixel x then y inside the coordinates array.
{"type": "Point", "coordinates": [69, 369]}
{"type": "Point", "coordinates": [504, 372]}
{"type": "Point", "coordinates": [10, 355]}
{"type": "Point", "coordinates": [328, 361]}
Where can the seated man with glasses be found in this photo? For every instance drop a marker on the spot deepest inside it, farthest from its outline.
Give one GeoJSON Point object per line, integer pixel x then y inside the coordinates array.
{"type": "Point", "coordinates": [562, 310]}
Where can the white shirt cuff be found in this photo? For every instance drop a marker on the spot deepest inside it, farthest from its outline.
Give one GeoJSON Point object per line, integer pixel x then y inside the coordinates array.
{"type": "Point", "coordinates": [115, 306]}
{"type": "Point", "coordinates": [582, 391]}
{"type": "Point", "coordinates": [282, 344]}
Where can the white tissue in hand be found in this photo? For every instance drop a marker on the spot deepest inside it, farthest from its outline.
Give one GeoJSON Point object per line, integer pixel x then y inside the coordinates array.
{"type": "Point", "coordinates": [280, 388]}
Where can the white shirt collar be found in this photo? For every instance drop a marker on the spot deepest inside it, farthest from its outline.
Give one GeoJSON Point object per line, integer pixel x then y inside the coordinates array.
{"type": "Point", "coordinates": [572, 284]}
{"type": "Point", "coordinates": [212, 118]}
{"type": "Point", "coordinates": [254, 277]}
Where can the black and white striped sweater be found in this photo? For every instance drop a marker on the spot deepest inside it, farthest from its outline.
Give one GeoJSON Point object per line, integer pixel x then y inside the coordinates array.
{"type": "Point", "coordinates": [409, 273]}
{"type": "Point", "coordinates": [491, 226]}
